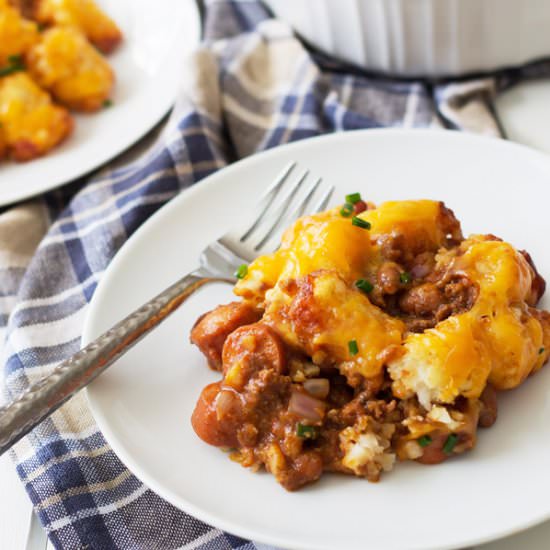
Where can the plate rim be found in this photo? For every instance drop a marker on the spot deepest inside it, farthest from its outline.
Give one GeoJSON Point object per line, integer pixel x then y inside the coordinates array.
{"type": "Point", "coordinates": [158, 109]}
{"type": "Point", "coordinates": [540, 158]}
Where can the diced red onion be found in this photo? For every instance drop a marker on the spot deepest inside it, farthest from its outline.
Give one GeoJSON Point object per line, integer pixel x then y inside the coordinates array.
{"type": "Point", "coordinates": [317, 387]}
{"type": "Point", "coordinates": [360, 206]}
{"type": "Point", "coordinates": [306, 406]}
{"type": "Point", "coordinates": [419, 271]}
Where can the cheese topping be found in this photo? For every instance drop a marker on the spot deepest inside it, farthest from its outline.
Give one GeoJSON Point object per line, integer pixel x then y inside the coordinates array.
{"type": "Point", "coordinates": [307, 289]}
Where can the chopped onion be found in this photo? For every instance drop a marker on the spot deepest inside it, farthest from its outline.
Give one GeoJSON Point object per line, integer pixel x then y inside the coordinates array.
{"type": "Point", "coordinates": [306, 406]}
{"type": "Point", "coordinates": [318, 387]}
{"type": "Point", "coordinates": [419, 271]}
{"type": "Point", "coordinates": [413, 450]}
{"type": "Point", "coordinates": [225, 403]}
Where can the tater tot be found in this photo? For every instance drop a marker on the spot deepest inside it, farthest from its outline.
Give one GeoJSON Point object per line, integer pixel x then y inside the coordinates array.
{"type": "Point", "coordinates": [17, 35]}
{"type": "Point", "coordinates": [67, 65]}
{"type": "Point", "coordinates": [98, 27]}
{"type": "Point", "coordinates": [26, 8]}
{"type": "Point", "coordinates": [31, 124]}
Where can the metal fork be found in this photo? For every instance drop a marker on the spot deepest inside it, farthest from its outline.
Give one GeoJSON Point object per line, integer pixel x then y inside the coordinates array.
{"type": "Point", "coordinates": [283, 202]}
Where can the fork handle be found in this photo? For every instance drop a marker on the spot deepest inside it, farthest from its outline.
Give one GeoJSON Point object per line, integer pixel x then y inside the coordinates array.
{"type": "Point", "coordinates": [44, 397]}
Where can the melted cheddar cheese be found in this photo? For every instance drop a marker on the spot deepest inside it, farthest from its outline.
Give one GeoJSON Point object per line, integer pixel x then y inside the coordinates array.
{"type": "Point", "coordinates": [499, 340]}
{"type": "Point", "coordinates": [30, 124]}
{"type": "Point", "coordinates": [17, 35]}
{"type": "Point", "coordinates": [67, 65]}
{"type": "Point", "coordinates": [329, 241]}
{"type": "Point", "coordinates": [85, 15]}
{"type": "Point", "coordinates": [323, 241]}
{"type": "Point", "coordinates": [420, 223]}
{"type": "Point", "coordinates": [512, 333]}
{"type": "Point", "coordinates": [324, 315]}
{"type": "Point", "coordinates": [308, 295]}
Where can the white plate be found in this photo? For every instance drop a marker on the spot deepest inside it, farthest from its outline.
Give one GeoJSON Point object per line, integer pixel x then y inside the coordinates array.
{"type": "Point", "coordinates": [148, 67]}
{"type": "Point", "coordinates": [144, 402]}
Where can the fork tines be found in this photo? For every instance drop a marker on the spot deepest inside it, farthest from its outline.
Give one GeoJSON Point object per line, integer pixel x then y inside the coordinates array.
{"type": "Point", "coordinates": [285, 200]}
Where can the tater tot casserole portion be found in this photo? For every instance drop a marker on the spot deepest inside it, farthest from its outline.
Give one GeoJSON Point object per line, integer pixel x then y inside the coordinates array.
{"type": "Point", "coordinates": [51, 63]}
{"type": "Point", "coordinates": [372, 335]}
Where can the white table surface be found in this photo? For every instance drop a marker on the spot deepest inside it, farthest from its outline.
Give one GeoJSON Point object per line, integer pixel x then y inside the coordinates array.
{"type": "Point", "coordinates": [526, 118]}
{"type": "Point", "coordinates": [15, 508]}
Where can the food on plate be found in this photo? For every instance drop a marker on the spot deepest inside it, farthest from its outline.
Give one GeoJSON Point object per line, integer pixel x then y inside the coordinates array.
{"type": "Point", "coordinates": [373, 334]}
{"type": "Point", "coordinates": [17, 35]}
{"type": "Point", "coordinates": [85, 15]}
{"type": "Point", "coordinates": [30, 124]}
{"type": "Point", "coordinates": [67, 65]}
{"type": "Point", "coordinates": [47, 65]}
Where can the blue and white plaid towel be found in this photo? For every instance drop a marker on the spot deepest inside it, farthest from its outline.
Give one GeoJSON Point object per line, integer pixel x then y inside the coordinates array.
{"type": "Point", "coordinates": [251, 86]}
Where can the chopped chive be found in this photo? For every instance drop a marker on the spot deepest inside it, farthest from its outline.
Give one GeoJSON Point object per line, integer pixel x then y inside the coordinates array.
{"type": "Point", "coordinates": [405, 277]}
{"type": "Point", "coordinates": [424, 441]}
{"type": "Point", "coordinates": [364, 285]}
{"type": "Point", "coordinates": [107, 103]}
{"type": "Point", "coordinates": [41, 27]}
{"type": "Point", "coordinates": [15, 59]}
{"type": "Point", "coordinates": [450, 444]}
{"type": "Point", "coordinates": [306, 432]}
{"type": "Point", "coordinates": [242, 271]}
{"type": "Point", "coordinates": [15, 64]}
{"type": "Point", "coordinates": [353, 198]}
{"type": "Point", "coordinates": [346, 210]}
{"type": "Point", "coordinates": [10, 69]}
{"type": "Point", "coordinates": [541, 351]}
{"type": "Point", "coordinates": [353, 347]}
{"type": "Point", "coordinates": [359, 222]}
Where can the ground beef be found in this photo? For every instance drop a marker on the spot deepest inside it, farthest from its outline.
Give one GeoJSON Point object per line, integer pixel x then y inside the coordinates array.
{"type": "Point", "coordinates": [388, 278]}
{"type": "Point", "coordinates": [392, 246]}
{"type": "Point", "coordinates": [424, 301]}
{"type": "Point", "coordinates": [427, 304]}
{"type": "Point", "coordinates": [408, 284]}
{"type": "Point", "coordinates": [359, 430]}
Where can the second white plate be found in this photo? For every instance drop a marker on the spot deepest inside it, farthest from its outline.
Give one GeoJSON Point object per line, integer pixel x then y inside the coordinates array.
{"type": "Point", "coordinates": [148, 67]}
{"type": "Point", "coordinates": [144, 402]}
